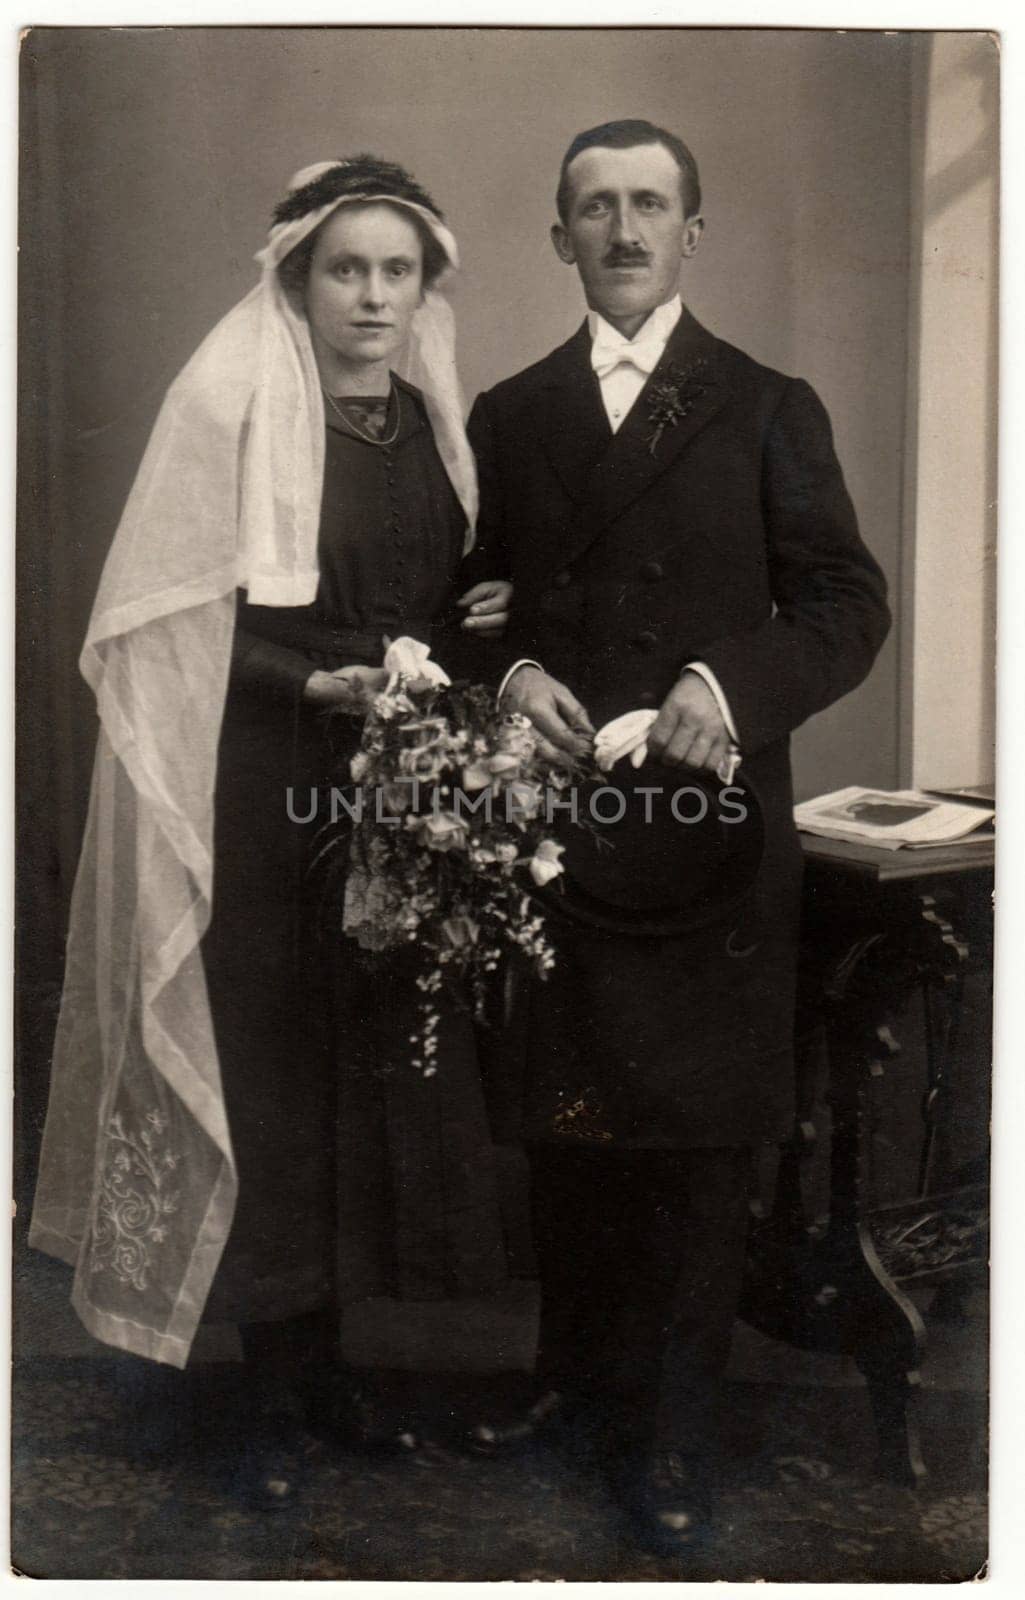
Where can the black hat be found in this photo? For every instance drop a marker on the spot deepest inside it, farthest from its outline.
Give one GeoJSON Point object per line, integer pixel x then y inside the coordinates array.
{"type": "Point", "coordinates": [656, 851]}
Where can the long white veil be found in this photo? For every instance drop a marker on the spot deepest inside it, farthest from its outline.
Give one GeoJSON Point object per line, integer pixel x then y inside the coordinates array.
{"type": "Point", "coordinates": [137, 1180]}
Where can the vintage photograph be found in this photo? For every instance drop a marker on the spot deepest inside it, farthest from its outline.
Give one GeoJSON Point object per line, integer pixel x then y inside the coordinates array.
{"type": "Point", "coordinates": [506, 594]}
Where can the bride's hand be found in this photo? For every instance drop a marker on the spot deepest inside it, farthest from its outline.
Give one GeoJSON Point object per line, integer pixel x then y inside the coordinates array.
{"type": "Point", "coordinates": [489, 608]}
{"type": "Point", "coordinates": [350, 688]}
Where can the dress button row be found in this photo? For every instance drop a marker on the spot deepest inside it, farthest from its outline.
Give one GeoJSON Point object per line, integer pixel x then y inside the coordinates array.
{"type": "Point", "coordinates": [646, 640]}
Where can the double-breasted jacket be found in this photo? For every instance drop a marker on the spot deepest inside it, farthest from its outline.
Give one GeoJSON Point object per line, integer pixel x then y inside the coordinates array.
{"type": "Point", "coordinates": [715, 526]}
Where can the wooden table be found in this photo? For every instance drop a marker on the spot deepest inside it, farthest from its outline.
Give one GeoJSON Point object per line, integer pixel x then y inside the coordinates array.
{"type": "Point", "coordinates": [879, 926]}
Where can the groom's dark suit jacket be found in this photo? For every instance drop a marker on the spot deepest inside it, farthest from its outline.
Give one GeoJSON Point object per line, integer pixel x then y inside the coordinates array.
{"type": "Point", "coordinates": [729, 539]}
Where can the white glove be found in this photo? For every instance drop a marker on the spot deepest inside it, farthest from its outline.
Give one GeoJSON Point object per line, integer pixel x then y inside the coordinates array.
{"type": "Point", "coordinates": [624, 736]}
{"type": "Point", "coordinates": [628, 736]}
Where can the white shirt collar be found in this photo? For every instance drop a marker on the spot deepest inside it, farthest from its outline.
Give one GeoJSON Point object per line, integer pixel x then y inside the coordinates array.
{"type": "Point", "coordinates": [659, 325]}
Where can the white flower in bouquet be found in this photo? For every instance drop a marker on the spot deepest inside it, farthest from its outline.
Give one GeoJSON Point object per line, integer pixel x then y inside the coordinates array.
{"type": "Point", "coordinates": [442, 830]}
{"type": "Point", "coordinates": [426, 761]}
{"type": "Point", "coordinates": [392, 703]}
{"type": "Point", "coordinates": [504, 761]}
{"type": "Point", "coordinates": [517, 736]}
{"type": "Point", "coordinates": [525, 799]}
{"type": "Point", "coordinates": [493, 853]}
{"type": "Point", "coordinates": [476, 776]}
{"type": "Point", "coordinates": [545, 863]}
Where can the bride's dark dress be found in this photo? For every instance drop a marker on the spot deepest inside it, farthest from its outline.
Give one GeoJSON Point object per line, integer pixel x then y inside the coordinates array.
{"type": "Point", "coordinates": [357, 1176]}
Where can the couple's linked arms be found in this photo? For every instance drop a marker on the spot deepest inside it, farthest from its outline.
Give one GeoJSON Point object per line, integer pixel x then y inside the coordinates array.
{"type": "Point", "coordinates": [487, 612]}
{"type": "Point", "coordinates": [283, 674]}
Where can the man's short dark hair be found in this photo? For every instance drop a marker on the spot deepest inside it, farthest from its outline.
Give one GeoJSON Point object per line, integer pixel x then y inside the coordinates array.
{"type": "Point", "coordinates": [623, 136]}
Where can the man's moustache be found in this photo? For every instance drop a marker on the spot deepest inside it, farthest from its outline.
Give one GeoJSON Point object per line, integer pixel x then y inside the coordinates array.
{"type": "Point", "coordinates": [623, 259]}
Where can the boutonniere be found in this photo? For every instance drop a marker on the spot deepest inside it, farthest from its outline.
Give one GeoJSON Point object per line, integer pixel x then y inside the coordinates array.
{"type": "Point", "coordinates": [673, 395]}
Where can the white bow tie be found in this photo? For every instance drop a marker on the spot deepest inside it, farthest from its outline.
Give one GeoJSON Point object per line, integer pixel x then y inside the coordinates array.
{"type": "Point", "coordinates": [644, 353]}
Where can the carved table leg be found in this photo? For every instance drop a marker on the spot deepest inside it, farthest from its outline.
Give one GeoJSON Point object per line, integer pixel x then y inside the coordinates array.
{"type": "Point", "coordinates": [877, 1324]}
{"type": "Point", "coordinates": [829, 1289]}
{"type": "Point", "coordinates": [881, 1327]}
{"type": "Point", "coordinates": [945, 958]}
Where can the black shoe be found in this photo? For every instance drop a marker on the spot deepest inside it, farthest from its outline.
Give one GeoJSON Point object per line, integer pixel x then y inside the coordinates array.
{"type": "Point", "coordinates": [353, 1416]}
{"type": "Point", "coordinates": [505, 1438]}
{"type": "Point", "coordinates": [270, 1474]}
{"type": "Point", "coordinates": [374, 1430]}
{"type": "Point", "coordinates": [665, 1503]}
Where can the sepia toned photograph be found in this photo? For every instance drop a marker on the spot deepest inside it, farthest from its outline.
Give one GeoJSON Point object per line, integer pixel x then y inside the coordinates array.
{"type": "Point", "coordinates": [506, 611]}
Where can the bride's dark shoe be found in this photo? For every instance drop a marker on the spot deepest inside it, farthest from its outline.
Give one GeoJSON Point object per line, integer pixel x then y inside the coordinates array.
{"type": "Point", "coordinates": [270, 1473]}
{"type": "Point", "coordinates": [376, 1431]}
{"type": "Point", "coordinates": [354, 1416]}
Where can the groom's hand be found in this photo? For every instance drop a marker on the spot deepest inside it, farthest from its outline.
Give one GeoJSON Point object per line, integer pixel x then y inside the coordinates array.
{"type": "Point", "coordinates": [488, 605]}
{"type": "Point", "coordinates": [689, 730]}
{"type": "Point", "coordinates": [556, 713]}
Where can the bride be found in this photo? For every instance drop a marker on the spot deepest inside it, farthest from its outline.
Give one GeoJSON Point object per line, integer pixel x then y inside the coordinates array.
{"type": "Point", "coordinates": [234, 1133]}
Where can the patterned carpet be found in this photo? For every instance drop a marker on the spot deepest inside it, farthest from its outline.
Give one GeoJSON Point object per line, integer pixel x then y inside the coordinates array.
{"type": "Point", "coordinates": [106, 1484]}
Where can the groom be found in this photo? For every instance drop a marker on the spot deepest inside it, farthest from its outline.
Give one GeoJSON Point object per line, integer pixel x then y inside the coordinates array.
{"type": "Point", "coordinates": [679, 536]}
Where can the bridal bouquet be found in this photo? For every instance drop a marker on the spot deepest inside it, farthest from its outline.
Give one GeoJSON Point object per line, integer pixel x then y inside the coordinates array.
{"type": "Point", "coordinates": [450, 833]}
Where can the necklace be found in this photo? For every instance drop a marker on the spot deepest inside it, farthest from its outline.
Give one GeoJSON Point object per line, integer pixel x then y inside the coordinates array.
{"type": "Point", "coordinates": [368, 437]}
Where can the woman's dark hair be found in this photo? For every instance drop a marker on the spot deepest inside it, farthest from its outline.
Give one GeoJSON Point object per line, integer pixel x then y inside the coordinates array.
{"type": "Point", "coordinates": [623, 136]}
{"type": "Point", "coordinates": [357, 175]}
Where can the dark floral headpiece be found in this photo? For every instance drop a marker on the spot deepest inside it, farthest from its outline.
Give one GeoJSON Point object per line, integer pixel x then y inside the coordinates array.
{"type": "Point", "coordinates": [362, 174]}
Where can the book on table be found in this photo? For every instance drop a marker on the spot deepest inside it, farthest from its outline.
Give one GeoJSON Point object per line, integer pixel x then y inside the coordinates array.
{"type": "Point", "coordinates": [895, 819]}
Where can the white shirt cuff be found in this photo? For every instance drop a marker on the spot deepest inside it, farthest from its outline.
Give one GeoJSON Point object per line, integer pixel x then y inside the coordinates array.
{"type": "Point", "coordinates": [720, 699]}
{"type": "Point", "coordinates": [525, 662]}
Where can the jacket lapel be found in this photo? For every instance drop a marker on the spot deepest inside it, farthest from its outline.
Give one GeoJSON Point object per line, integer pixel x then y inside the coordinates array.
{"type": "Point", "coordinates": [606, 472]}
{"type": "Point", "coordinates": [572, 425]}
{"type": "Point", "coordinates": [683, 393]}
